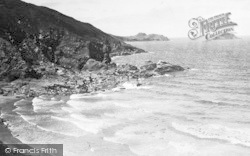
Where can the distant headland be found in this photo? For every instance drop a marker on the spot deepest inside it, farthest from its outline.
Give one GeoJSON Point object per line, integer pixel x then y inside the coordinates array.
{"type": "Point", "coordinates": [143, 37]}
{"type": "Point", "coordinates": [226, 36]}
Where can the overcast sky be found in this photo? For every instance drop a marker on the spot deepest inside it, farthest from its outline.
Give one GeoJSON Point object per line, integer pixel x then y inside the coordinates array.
{"type": "Point", "coordinates": [167, 17]}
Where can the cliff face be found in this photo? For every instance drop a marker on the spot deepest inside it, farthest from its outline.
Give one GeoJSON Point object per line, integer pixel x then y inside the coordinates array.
{"type": "Point", "coordinates": [143, 37]}
{"type": "Point", "coordinates": [33, 39]}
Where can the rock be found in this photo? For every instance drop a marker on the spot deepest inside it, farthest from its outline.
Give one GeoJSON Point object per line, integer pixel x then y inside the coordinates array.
{"type": "Point", "coordinates": [149, 65]}
{"type": "Point", "coordinates": [1, 91]}
{"type": "Point", "coordinates": [151, 69]}
{"type": "Point", "coordinates": [112, 65]}
{"type": "Point", "coordinates": [130, 67]}
{"type": "Point", "coordinates": [125, 53]}
{"type": "Point", "coordinates": [61, 72]}
{"type": "Point", "coordinates": [168, 68]}
{"type": "Point", "coordinates": [126, 68]}
{"type": "Point", "coordinates": [161, 63]}
{"type": "Point", "coordinates": [5, 94]}
{"type": "Point", "coordinates": [147, 74]}
{"type": "Point", "coordinates": [93, 65]}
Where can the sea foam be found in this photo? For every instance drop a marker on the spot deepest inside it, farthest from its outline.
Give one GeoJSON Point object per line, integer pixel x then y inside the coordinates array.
{"type": "Point", "coordinates": [214, 131]}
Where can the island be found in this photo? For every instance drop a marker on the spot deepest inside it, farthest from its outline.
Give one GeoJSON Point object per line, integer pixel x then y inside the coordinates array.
{"type": "Point", "coordinates": [226, 36]}
{"type": "Point", "coordinates": [143, 37]}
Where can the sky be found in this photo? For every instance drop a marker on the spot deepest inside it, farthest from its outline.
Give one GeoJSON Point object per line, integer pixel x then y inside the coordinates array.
{"type": "Point", "coordinates": [166, 17]}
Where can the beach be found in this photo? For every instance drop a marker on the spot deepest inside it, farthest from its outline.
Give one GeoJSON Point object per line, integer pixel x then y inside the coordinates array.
{"type": "Point", "coordinates": [5, 134]}
{"type": "Point", "coordinates": [203, 110]}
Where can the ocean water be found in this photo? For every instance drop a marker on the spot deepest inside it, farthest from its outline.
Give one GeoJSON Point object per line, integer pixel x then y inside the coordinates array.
{"type": "Point", "coordinates": [204, 110]}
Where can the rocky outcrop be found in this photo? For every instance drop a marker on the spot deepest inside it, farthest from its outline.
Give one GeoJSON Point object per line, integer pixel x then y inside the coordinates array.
{"type": "Point", "coordinates": [100, 76]}
{"type": "Point", "coordinates": [161, 68]}
{"type": "Point", "coordinates": [148, 66]}
{"type": "Point", "coordinates": [143, 37]}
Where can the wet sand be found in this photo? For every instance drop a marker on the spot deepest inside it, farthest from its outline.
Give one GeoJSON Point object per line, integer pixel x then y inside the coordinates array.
{"type": "Point", "coordinates": [5, 134]}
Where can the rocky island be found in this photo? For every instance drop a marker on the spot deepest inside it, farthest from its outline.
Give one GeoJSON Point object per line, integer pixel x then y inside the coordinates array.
{"type": "Point", "coordinates": [143, 37]}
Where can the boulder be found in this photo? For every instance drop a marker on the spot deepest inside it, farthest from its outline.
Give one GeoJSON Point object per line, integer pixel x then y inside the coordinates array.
{"type": "Point", "coordinates": [93, 65]}
{"type": "Point", "coordinates": [148, 66]}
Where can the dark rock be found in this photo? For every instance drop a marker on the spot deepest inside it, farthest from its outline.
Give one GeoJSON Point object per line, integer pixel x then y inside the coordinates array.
{"type": "Point", "coordinates": [149, 65]}
{"type": "Point", "coordinates": [168, 68]}
{"type": "Point", "coordinates": [151, 69]}
{"type": "Point", "coordinates": [5, 94]}
{"type": "Point", "coordinates": [129, 67]}
{"type": "Point", "coordinates": [147, 74]}
{"type": "Point", "coordinates": [31, 73]}
{"type": "Point", "coordinates": [1, 91]}
{"type": "Point", "coordinates": [126, 68]}
{"type": "Point", "coordinates": [112, 65]}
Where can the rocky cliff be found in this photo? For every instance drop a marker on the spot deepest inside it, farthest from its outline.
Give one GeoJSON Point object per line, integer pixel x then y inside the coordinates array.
{"type": "Point", "coordinates": [143, 37]}
{"type": "Point", "coordinates": [35, 40]}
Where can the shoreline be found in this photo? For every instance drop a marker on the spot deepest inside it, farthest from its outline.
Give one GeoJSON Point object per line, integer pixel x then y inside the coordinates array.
{"type": "Point", "coordinates": [64, 86]}
{"type": "Point", "coordinates": [5, 134]}
{"type": "Point", "coordinates": [7, 140]}
{"type": "Point", "coordinates": [65, 83]}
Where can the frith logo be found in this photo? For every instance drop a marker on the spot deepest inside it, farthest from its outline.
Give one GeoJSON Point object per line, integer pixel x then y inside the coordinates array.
{"type": "Point", "coordinates": [210, 28]}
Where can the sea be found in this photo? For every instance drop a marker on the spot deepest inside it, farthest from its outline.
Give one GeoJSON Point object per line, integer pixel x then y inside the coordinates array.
{"type": "Point", "coordinates": [202, 111]}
